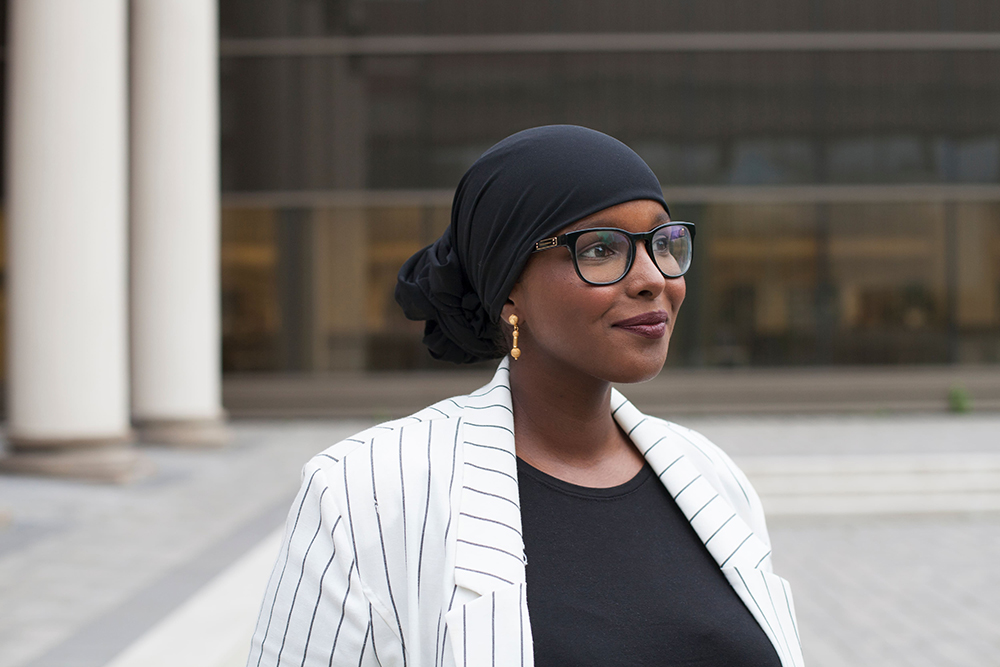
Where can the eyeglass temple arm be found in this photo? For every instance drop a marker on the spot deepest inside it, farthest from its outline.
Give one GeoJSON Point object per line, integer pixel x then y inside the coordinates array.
{"type": "Point", "coordinates": [547, 243]}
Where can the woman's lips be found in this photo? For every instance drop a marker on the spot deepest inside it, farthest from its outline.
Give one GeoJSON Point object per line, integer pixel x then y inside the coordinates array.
{"type": "Point", "coordinates": [647, 325]}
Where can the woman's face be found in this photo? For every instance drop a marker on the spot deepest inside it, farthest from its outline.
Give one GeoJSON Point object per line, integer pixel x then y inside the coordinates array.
{"type": "Point", "coordinates": [615, 333]}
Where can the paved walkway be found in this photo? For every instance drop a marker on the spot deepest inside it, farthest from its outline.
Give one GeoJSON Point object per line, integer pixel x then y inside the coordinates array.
{"type": "Point", "coordinates": [97, 576]}
{"type": "Point", "coordinates": [85, 570]}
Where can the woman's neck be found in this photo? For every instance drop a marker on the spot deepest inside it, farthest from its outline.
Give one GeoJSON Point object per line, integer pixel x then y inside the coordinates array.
{"type": "Point", "coordinates": [564, 427]}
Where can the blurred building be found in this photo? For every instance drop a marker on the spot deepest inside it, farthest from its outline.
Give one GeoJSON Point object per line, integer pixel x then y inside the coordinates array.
{"type": "Point", "coordinates": [841, 160]}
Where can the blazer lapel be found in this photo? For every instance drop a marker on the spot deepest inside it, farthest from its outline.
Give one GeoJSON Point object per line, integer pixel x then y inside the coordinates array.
{"type": "Point", "coordinates": [726, 535]}
{"type": "Point", "coordinates": [490, 549]}
{"type": "Point", "coordinates": [732, 543]}
{"type": "Point", "coordinates": [493, 627]}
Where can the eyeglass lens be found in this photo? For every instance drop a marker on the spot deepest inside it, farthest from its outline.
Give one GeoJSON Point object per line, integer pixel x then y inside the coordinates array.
{"type": "Point", "coordinates": [602, 255]}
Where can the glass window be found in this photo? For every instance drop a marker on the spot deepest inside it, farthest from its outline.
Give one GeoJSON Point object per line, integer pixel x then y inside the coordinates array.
{"type": "Point", "coordinates": [251, 309]}
{"type": "Point", "coordinates": [770, 162]}
{"type": "Point", "coordinates": [977, 283]}
{"type": "Point", "coordinates": [888, 266]}
{"type": "Point", "coordinates": [975, 160]}
{"type": "Point", "coordinates": [772, 284]}
{"type": "Point", "coordinates": [760, 282]}
{"type": "Point", "coordinates": [756, 118]}
{"type": "Point", "coordinates": [880, 160]}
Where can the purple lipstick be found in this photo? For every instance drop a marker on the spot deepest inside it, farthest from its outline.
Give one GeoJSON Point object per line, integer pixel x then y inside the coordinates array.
{"type": "Point", "coordinates": [647, 325]}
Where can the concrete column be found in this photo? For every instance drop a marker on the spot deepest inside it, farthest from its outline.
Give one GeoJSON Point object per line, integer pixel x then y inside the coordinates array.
{"type": "Point", "coordinates": [67, 390]}
{"type": "Point", "coordinates": [176, 356]}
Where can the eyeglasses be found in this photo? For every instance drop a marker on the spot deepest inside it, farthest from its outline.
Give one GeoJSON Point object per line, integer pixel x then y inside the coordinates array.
{"type": "Point", "coordinates": [604, 255]}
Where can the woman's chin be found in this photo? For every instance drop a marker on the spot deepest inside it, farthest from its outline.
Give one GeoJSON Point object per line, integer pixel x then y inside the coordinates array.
{"type": "Point", "coordinates": [641, 369]}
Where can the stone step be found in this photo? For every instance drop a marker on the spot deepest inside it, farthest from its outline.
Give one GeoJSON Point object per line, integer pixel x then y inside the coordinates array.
{"type": "Point", "coordinates": [676, 391]}
{"type": "Point", "coordinates": [876, 484]}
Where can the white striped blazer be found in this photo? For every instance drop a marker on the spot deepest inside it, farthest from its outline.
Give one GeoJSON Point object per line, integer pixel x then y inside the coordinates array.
{"type": "Point", "coordinates": [403, 546]}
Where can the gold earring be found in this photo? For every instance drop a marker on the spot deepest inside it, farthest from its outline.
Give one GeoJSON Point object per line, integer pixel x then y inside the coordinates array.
{"type": "Point", "coordinates": [515, 351]}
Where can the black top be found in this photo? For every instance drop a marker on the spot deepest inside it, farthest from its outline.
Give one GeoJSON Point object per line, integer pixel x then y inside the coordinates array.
{"type": "Point", "coordinates": [617, 576]}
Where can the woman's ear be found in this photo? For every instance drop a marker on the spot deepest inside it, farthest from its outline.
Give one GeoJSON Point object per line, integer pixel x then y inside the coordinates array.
{"type": "Point", "coordinates": [510, 308]}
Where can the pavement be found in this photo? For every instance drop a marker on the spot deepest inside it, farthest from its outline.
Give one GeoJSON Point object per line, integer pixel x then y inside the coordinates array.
{"type": "Point", "coordinates": [887, 527]}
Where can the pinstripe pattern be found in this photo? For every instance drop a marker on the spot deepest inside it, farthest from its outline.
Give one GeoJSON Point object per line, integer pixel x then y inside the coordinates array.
{"type": "Point", "coordinates": [404, 544]}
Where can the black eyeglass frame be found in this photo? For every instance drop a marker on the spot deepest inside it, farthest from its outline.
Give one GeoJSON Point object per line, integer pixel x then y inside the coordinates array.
{"type": "Point", "coordinates": [569, 240]}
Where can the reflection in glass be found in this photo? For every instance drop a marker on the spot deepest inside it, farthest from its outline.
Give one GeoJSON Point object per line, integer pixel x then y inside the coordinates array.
{"type": "Point", "coordinates": [321, 299]}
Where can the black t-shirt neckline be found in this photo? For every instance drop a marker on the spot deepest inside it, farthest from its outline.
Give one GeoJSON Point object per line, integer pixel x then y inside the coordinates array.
{"type": "Point", "coordinates": [617, 577]}
{"type": "Point", "coordinates": [587, 492]}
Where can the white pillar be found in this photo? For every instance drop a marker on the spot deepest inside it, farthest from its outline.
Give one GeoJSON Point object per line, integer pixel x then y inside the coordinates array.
{"type": "Point", "coordinates": [67, 355]}
{"type": "Point", "coordinates": [176, 357]}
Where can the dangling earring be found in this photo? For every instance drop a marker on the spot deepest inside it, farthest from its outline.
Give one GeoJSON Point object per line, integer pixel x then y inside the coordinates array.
{"type": "Point", "coordinates": [515, 351]}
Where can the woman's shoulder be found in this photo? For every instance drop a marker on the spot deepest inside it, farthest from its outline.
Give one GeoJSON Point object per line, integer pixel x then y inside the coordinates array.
{"type": "Point", "coordinates": [697, 444]}
{"type": "Point", "coordinates": [388, 480]}
{"type": "Point", "coordinates": [648, 431]}
{"type": "Point", "coordinates": [720, 470]}
{"type": "Point", "coordinates": [388, 443]}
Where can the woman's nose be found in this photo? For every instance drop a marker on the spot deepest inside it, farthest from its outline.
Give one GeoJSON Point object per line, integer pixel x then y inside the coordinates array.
{"type": "Point", "coordinates": [644, 276]}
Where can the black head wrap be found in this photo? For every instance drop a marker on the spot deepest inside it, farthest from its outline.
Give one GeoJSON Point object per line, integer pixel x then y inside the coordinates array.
{"type": "Point", "coordinates": [523, 189]}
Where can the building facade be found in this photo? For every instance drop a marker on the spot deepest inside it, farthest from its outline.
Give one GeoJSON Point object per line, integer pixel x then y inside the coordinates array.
{"type": "Point", "coordinates": [841, 160]}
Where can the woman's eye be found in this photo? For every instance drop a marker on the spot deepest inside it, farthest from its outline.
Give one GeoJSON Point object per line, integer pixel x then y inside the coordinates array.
{"type": "Point", "coordinates": [661, 246]}
{"type": "Point", "coordinates": [596, 251]}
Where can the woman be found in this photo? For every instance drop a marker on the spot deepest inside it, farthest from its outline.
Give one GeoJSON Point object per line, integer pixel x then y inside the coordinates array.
{"type": "Point", "coordinates": [526, 523]}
